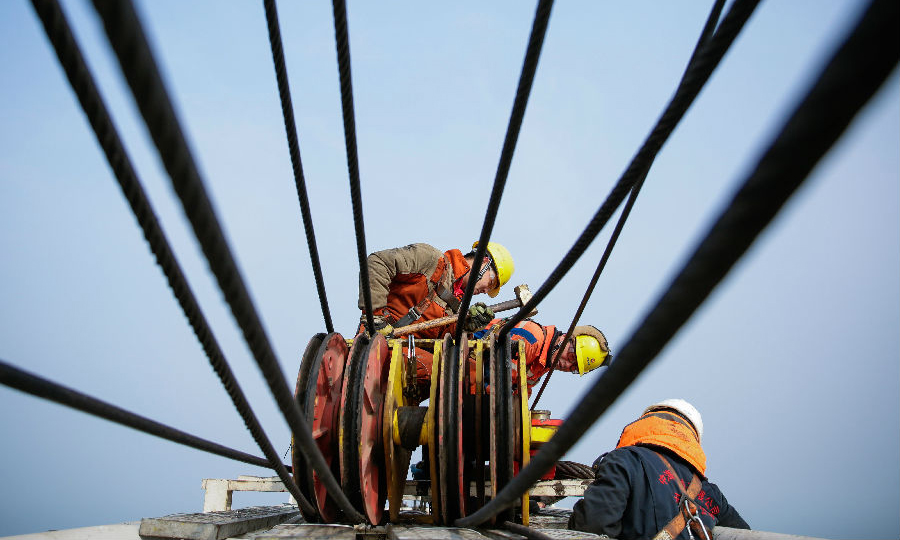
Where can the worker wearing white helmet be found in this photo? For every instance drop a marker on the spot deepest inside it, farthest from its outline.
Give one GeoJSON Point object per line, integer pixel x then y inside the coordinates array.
{"type": "Point", "coordinates": [653, 485]}
{"type": "Point", "coordinates": [685, 409]}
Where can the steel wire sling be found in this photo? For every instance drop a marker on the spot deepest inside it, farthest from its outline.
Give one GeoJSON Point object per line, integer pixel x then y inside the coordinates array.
{"type": "Point", "coordinates": [858, 68]}
{"type": "Point", "coordinates": [290, 127]}
{"type": "Point", "coordinates": [30, 383]}
{"type": "Point", "coordinates": [136, 61]}
{"type": "Point", "coordinates": [526, 80]}
{"type": "Point", "coordinates": [705, 36]}
{"type": "Point", "coordinates": [80, 78]}
{"type": "Point", "coordinates": [342, 45]}
{"type": "Point", "coordinates": [694, 80]}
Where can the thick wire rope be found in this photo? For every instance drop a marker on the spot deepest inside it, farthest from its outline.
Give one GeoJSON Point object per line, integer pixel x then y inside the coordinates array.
{"type": "Point", "coordinates": [694, 80]}
{"type": "Point", "coordinates": [523, 91]}
{"type": "Point", "coordinates": [854, 73]}
{"type": "Point", "coordinates": [30, 383]}
{"type": "Point", "coordinates": [526, 531]}
{"type": "Point", "coordinates": [290, 127]}
{"type": "Point", "coordinates": [590, 289]}
{"type": "Point", "coordinates": [705, 35]}
{"type": "Point", "coordinates": [72, 60]}
{"type": "Point", "coordinates": [129, 42]}
{"type": "Point", "coordinates": [573, 470]}
{"type": "Point", "coordinates": [342, 45]}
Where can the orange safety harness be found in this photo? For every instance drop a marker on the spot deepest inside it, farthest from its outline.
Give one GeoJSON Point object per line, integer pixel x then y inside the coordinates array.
{"type": "Point", "coordinates": [435, 290]}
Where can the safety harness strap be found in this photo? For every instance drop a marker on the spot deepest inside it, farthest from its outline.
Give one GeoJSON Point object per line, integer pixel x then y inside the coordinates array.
{"type": "Point", "coordinates": [434, 289]}
{"type": "Point", "coordinates": [448, 298]}
{"type": "Point", "coordinates": [688, 514]}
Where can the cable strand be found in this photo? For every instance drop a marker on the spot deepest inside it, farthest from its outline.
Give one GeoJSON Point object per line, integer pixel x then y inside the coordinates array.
{"type": "Point", "coordinates": [29, 383]}
{"type": "Point", "coordinates": [705, 36]}
{"type": "Point", "coordinates": [82, 81]}
{"type": "Point", "coordinates": [854, 73]}
{"type": "Point", "coordinates": [129, 42]}
{"type": "Point", "coordinates": [290, 127]}
{"type": "Point", "coordinates": [342, 45]}
{"type": "Point", "coordinates": [523, 91]}
{"type": "Point", "coordinates": [693, 81]}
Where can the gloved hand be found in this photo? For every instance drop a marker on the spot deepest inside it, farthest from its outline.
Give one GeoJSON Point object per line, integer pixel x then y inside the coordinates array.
{"type": "Point", "coordinates": [479, 316]}
{"type": "Point", "coordinates": [383, 327]}
{"type": "Point", "coordinates": [387, 330]}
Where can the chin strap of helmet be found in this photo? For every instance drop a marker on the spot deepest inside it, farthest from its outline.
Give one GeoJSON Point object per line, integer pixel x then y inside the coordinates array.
{"type": "Point", "coordinates": [485, 268]}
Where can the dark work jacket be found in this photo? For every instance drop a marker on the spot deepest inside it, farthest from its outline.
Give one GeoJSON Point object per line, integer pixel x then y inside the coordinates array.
{"type": "Point", "coordinates": [634, 496]}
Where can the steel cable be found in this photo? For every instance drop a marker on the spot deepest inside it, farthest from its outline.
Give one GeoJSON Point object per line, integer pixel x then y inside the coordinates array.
{"type": "Point", "coordinates": [854, 73]}
{"type": "Point", "coordinates": [129, 42]}
{"type": "Point", "coordinates": [71, 59]}
{"type": "Point", "coordinates": [526, 531]}
{"type": "Point", "coordinates": [290, 127]}
{"type": "Point", "coordinates": [29, 383]}
{"type": "Point", "coordinates": [590, 289]}
{"type": "Point", "coordinates": [705, 35]}
{"type": "Point", "coordinates": [573, 470]}
{"type": "Point", "coordinates": [342, 45]}
{"type": "Point", "coordinates": [693, 81]}
{"type": "Point", "coordinates": [526, 80]}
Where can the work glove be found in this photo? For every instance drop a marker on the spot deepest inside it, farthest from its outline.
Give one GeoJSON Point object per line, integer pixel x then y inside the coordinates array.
{"type": "Point", "coordinates": [383, 327]}
{"type": "Point", "coordinates": [479, 316]}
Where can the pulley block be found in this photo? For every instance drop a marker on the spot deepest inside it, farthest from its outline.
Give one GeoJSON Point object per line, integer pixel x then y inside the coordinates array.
{"type": "Point", "coordinates": [357, 401]}
{"type": "Point", "coordinates": [447, 431]}
{"type": "Point", "coordinates": [361, 449]}
{"type": "Point", "coordinates": [318, 391]}
{"type": "Point", "coordinates": [501, 430]}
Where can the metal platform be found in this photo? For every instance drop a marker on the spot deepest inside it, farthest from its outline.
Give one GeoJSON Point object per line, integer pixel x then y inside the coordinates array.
{"type": "Point", "coordinates": [550, 522]}
{"type": "Point", "coordinates": [268, 522]}
{"type": "Point", "coordinates": [216, 525]}
{"type": "Point", "coordinates": [219, 492]}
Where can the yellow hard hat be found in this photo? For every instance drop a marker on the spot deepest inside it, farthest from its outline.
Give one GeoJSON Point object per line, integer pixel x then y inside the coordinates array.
{"type": "Point", "coordinates": [503, 264]}
{"type": "Point", "coordinates": [591, 348]}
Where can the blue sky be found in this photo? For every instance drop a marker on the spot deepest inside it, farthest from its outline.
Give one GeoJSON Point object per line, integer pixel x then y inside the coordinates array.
{"type": "Point", "coordinates": [793, 361]}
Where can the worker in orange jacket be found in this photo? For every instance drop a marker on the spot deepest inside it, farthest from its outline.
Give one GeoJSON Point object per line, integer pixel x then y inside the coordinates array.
{"type": "Point", "coordinates": [587, 351]}
{"type": "Point", "coordinates": [418, 283]}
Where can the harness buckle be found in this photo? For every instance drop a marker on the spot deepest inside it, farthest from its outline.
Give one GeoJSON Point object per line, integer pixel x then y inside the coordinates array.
{"type": "Point", "coordinates": [690, 509]}
{"type": "Point", "coordinates": [411, 316]}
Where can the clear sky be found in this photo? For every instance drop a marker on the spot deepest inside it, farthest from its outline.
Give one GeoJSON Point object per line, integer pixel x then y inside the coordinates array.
{"type": "Point", "coordinates": [793, 361]}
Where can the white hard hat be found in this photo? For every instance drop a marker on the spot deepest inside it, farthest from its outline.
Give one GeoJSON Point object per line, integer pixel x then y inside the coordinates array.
{"type": "Point", "coordinates": [686, 409]}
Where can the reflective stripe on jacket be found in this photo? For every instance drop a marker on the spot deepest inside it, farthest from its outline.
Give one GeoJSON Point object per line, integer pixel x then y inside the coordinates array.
{"type": "Point", "coordinates": [538, 342]}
